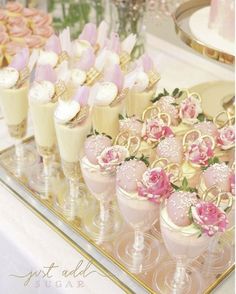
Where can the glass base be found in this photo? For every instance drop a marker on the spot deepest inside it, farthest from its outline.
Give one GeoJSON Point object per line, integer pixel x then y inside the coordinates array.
{"type": "Point", "coordinates": [163, 280]}
{"type": "Point", "coordinates": [71, 212]}
{"type": "Point", "coordinates": [101, 231]}
{"type": "Point", "coordinates": [217, 262]}
{"type": "Point", "coordinates": [39, 183]}
{"type": "Point", "coordinates": [17, 165]}
{"type": "Point", "coordinates": [156, 231]}
{"type": "Point", "coordinates": [141, 262]}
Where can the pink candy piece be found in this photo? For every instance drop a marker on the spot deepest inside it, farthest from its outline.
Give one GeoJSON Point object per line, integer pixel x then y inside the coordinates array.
{"type": "Point", "coordinates": [45, 73]}
{"type": "Point", "coordinates": [53, 44]}
{"type": "Point", "coordinates": [218, 174]}
{"type": "Point", "coordinates": [89, 33]}
{"type": "Point", "coordinates": [178, 206]}
{"type": "Point", "coordinates": [207, 128]}
{"type": "Point", "coordinates": [87, 60]}
{"type": "Point", "coordinates": [82, 95]}
{"type": "Point", "coordinates": [21, 59]}
{"type": "Point", "coordinates": [129, 173]}
{"type": "Point", "coordinates": [114, 43]}
{"type": "Point", "coordinates": [170, 148]}
{"type": "Point", "coordinates": [94, 145]}
{"type": "Point", "coordinates": [115, 75]}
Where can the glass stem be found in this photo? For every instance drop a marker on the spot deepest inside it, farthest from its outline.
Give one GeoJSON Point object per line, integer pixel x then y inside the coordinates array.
{"type": "Point", "coordinates": [71, 206]}
{"type": "Point", "coordinates": [138, 241]}
{"type": "Point", "coordinates": [47, 174]}
{"type": "Point", "coordinates": [211, 254]}
{"type": "Point", "coordinates": [179, 276]}
{"type": "Point", "coordinates": [19, 153]}
{"type": "Point", "coordinates": [104, 211]}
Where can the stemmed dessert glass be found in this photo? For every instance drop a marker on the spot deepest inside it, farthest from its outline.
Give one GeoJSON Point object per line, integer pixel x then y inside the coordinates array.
{"type": "Point", "coordinates": [219, 253]}
{"type": "Point", "coordinates": [137, 250]}
{"type": "Point", "coordinates": [14, 105]}
{"type": "Point", "coordinates": [184, 246]}
{"type": "Point", "coordinates": [106, 223]}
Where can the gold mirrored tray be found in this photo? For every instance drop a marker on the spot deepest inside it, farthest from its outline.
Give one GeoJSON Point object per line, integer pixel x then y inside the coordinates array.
{"type": "Point", "coordinates": [181, 19]}
{"type": "Point", "coordinates": [101, 255]}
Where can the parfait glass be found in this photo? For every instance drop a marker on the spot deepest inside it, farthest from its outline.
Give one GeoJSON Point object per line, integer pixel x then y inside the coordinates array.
{"type": "Point", "coordinates": [137, 250]}
{"type": "Point", "coordinates": [14, 106]}
{"type": "Point", "coordinates": [184, 245]}
{"type": "Point", "coordinates": [219, 254]}
{"type": "Point", "coordinates": [106, 223]}
{"type": "Point", "coordinates": [45, 137]}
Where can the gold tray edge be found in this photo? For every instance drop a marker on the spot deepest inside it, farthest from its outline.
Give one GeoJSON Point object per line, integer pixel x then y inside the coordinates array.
{"type": "Point", "coordinates": [77, 247]}
{"type": "Point", "coordinates": [194, 43]}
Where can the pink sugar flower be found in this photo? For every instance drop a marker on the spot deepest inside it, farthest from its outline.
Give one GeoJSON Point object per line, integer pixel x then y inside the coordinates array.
{"type": "Point", "coordinates": [226, 137]}
{"type": "Point", "coordinates": [210, 218]}
{"type": "Point", "coordinates": [199, 152]}
{"type": "Point", "coordinates": [189, 110]}
{"type": "Point", "coordinates": [155, 185]}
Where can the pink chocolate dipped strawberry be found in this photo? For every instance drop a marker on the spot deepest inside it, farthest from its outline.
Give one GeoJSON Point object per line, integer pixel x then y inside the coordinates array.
{"type": "Point", "coordinates": [94, 145]}
{"type": "Point", "coordinates": [178, 206]}
{"type": "Point", "coordinates": [167, 104]}
{"type": "Point", "coordinates": [170, 148]}
{"type": "Point", "coordinates": [129, 174]}
{"type": "Point", "coordinates": [218, 175]}
{"type": "Point", "coordinates": [131, 125]}
{"type": "Point", "coordinates": [207, 128]}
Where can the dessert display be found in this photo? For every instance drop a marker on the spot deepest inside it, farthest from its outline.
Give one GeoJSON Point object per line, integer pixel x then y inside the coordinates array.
{"type": "Point", "coordinates": [133, 172]}
{"type": "Point", "coordinates": [187, 225]}
{"type": "Point", "coordinates": [144, 78]}
{"type": "Point", "coordinates": [14, 87]}
{"type": "Point", "coordinates": [98, 166]}
{"type": "Point", "coordinates": [22, 27]}
{"type": "Point", "coordinates": [139, 193]}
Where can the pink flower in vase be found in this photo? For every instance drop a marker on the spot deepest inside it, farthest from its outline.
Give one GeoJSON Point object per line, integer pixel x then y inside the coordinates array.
{"type": "Point", "coordinates": [155, 185]}
{"type": "Point", "coordinates": [199, 152]}
{"type": "Point", "coordinates": [189, 110]}
{"type": "Point", "coordinates": [112, 157]}
{"type": "Point", "coordinates": [155, 129]}
{"type": "Point", "coordinates": [226, 137]}
{"type": "Point", "coordinates": [210, 218]}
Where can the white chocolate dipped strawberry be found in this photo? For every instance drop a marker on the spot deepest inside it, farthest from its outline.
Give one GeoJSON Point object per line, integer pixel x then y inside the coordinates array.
{"type": "Point", "coordinates": [170, 148]}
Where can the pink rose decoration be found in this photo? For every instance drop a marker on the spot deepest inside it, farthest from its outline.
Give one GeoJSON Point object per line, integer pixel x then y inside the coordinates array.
{"type": "Point", "coordinates": [226, 137]}
{"type": "Point", "coordinates": [155, 185]}
{"type": "Point", "coordinates": [232, 183]}
{"type": "Point", "coordinates": [112, 157]}
{"type": "Point", "coordinates": [210, 218]}
{"type": "Point", "coordinates": [199, 152]}
{"type": "Point", "coordinates": [189, 110]}
{"type": "Point", "coordinates": [155, 129]}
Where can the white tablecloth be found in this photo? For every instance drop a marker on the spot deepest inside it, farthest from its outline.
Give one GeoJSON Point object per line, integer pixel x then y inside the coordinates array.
{"type": "Point", "coordinates": [27, 244]}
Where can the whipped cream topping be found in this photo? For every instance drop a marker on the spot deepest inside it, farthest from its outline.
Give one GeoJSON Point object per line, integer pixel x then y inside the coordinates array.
{"type": "Point", "coordinates": [188, 230]}
{"type": "Point", "coordinates": [77, 77]}
{"type": "Point", "coordinates": [106, 93]}
{"type": "Point", "coordinates": [132, 195]}
{"type": "Point", "coordinates": [41, 92]}
{"type": "Point", "coordinates": [80, 46]}
{"type": "Point", "coordinates": [48, 57]}
{"type": "Point", "coordinates": [8, 77]}
{"type": "Point", "coordinates": [141, 82]}
{"type": "Point", "coordinates": [90, 165]}
{"type": "Point", "coordinates": [66, 111]}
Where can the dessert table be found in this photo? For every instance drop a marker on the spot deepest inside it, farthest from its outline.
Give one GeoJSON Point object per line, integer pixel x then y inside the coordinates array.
{"type": "Point", "coordinates": [34, 255]}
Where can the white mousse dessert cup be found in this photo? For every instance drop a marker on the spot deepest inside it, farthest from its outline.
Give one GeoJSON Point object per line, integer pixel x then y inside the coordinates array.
{"type": "Point", "coordinates": [137, 250]}
{"type": "Point", "coordinates": [14, 106]}
{"type": "Point", "coordinates": [70, 139]}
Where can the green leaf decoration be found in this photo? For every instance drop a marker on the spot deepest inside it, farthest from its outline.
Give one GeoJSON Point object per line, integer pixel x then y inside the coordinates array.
{"type": "Point", "coordinates": [175, 104]}
{"type": "Point", "coordinates": [175, 187]}
{"type": "Point", "coordinates": [175, 92]}
{"type": "Point", "coordinates": [121, 117]}
{"type": "Point", "coordinates": [166, 93]}
{"type": "Point", "coordinates": [201, 117]}
{"type": "Point", "coordinates": [142, 158]}
{"type": "Point", "coordinates": [179, 94]}
{"type": "Point", "coordinates": [184, 184]}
